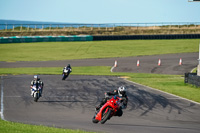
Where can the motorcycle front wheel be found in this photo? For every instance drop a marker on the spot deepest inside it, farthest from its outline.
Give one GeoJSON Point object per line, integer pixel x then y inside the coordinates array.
{"type": "Point", "coordinates": [94, 120]}
{"type": "Point", "coordinates": [36, 97]}
{"type": "Point", "coordinates": [106, 116]}
{"type": "Point", "coordinates": [65, 76]}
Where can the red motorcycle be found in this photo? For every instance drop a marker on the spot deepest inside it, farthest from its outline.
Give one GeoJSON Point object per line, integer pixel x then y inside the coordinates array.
{"type": "Point", "coordinates": [108, 110]}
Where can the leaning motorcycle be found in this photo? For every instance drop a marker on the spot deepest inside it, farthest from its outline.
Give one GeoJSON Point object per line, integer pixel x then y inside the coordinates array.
{"type": "Point", "coordinates": [36, 91]}
{"type": "Point", "coordinates": [65, 74]}
{"type": "Point", "coordinates": [108, 110]}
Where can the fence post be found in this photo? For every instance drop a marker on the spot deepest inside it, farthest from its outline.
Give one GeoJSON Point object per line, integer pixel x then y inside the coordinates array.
{"type": "Point", "coordinates": [13, 27]}
{"type": "Point", "coordinates": [91, 27]}
{"type": "Point", "coordinates": [50, 27]}
{"type": "Point", "coordinates": [186, 78]}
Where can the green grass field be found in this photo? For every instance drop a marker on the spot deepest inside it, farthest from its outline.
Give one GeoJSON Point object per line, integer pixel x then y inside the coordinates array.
{"type": "Point", "coordinates": [97, 49]}
{"type": "Point", "coordinates": [44, 51]}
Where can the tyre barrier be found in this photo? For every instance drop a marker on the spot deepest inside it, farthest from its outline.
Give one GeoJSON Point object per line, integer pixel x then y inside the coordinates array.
{"type": "Point", "coordinates": [146, 37]}
{"type": "Point", "coordinates": [23, 39]}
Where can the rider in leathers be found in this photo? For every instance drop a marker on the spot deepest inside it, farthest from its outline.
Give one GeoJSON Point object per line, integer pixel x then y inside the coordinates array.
{"type": "Point", "coordinates": [121, 92]}
{"type": "Point", "coordinates": [68, 67]}
{"type": "Point", "coordinates": [34, 82]}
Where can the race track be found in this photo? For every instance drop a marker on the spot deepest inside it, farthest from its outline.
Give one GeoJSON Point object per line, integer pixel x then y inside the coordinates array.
{"type": "Point", "coordinates": [148, 64]}
{"type": "Point", "coordinates": [71, 103]}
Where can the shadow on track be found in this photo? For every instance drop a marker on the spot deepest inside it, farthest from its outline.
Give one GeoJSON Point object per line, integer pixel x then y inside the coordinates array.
{"type": "Point", "coordinates": [147, 101]}
{"type": "Point", "coordinates": [87, 94]}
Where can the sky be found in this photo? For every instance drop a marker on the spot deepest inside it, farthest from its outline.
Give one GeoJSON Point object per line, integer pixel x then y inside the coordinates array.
{"type": "Point", "coordinates": [101, 11]}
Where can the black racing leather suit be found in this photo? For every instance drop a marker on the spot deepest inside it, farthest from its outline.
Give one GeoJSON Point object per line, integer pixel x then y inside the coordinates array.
{"type": "Point", "coordinates": [112, 93]}
{"type": "Point", "coordinates": [67, 68]}
{"type": "Point", "coordinates": [37, 82]}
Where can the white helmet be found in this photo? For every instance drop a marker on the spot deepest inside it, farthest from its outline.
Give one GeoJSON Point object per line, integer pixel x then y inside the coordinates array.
{"type": "Point", "coordinates": [36, 77]}
{"type": "Point", "coordinates": [121, 90]}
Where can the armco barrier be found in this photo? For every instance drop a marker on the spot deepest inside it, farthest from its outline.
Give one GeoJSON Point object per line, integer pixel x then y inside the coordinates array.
{"type": "Point", "coordinates": [192, 78]}
{"type": "Point", "coordinates": [22, 39]}
{"type": "Point", "coordinates": [146, 37]}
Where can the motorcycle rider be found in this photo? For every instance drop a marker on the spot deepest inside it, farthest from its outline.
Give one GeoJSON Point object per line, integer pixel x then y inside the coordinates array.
{"type": "Point", "coordinates": [67, 68]}
{"type": "Point", "coordinates": [121, 92]}
{"type": "Point", "coordinates": [36, 80]}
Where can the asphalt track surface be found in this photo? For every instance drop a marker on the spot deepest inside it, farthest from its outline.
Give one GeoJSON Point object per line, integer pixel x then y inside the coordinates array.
{"type": "Point", "coordinates": [71, 103]}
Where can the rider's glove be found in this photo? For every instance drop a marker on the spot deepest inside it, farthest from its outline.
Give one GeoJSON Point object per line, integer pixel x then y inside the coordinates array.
{"type": "Point", "coordinates": [123, 107]}
{"type": "Point", "coordinates": [106, 95]}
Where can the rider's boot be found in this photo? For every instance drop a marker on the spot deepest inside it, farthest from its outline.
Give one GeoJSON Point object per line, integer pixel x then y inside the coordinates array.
{"type": "Point", "coordinates": [31, 93]}
{"type": "Point", "coordinates": [97, 108]}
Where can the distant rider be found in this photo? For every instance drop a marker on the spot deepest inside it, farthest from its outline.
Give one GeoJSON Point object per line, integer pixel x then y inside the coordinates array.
{"type": "Point", "coordinates": [36, 81]}
{"type": "Point", "coordinates": [121, 92]}
{"type": "Point", "coordinates": [67, 68]}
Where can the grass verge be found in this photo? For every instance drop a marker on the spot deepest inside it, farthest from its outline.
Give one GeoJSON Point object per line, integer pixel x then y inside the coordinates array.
{"type": "Point", "coordinates": [13, 127]}
{"type": "Point", "coordinates": [43, 51]}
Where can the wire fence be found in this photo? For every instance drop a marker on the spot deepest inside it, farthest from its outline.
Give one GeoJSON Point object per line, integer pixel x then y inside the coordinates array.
{"type": "Point", "coordinates": [168, 25]}
{"type": "Point", "coordinates": [107, 28]}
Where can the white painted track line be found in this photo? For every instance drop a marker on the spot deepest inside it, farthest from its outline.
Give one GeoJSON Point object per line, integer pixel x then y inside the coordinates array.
{"type": "Point", "coordinates": [2, 116]}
